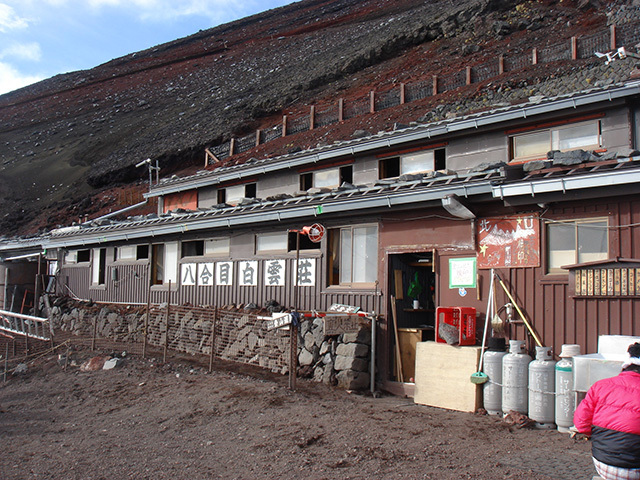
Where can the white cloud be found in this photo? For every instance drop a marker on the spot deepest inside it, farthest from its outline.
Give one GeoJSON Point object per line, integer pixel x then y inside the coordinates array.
{"type": "Point", "coordinates": [9, 19]}
{"type": "Point", "coordinates": [23, 51]}
{"type": "Point", "coordinates": [11, 79]}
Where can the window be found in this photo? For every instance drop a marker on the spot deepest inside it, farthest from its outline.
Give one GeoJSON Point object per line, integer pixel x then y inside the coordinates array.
{"type": "Point", "coordinates": [194, 248]}
{"type": "Point", "coordinates": [271, 242]}
{"type": "Point", "coordinates": [164, 263]}
{"type": "Point", "coordinates": [305, 243]}
{"type": "Point", "coordinates": [329, 178]}
{"type": "Point", "coordinates": [131, 253]}
{"type": "Point", "coordinates": [234, 194]}
{"type": "Point", "coordinates": [417, 162]}
{"type": "Point", "coordinates": [99, 266]}
{"type": "Point", "coordinates": [353, 254]}
{"type": "Point", "coordinates": [532, 145]}
{"type": "Point", "coordinates": [217, 246]}
{"type": "Point", "coordinates": [576, 241]}
{"type": "Point", "coordinates": [77, 256]}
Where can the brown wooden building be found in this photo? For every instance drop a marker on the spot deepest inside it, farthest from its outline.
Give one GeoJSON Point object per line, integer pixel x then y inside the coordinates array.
{"type": "Point", "coordinates": [543, 193]}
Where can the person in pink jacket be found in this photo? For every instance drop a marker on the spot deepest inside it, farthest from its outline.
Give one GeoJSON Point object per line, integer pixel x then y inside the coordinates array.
{"type": "Point", "coordinates": [610, 414]}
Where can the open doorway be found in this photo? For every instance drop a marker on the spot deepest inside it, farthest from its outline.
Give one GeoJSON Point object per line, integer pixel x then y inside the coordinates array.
{"type": "Point", "coordinates": [412, 288]}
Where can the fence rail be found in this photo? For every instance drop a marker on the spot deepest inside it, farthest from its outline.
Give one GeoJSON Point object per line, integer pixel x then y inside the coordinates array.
{"type": "Point", "coordinates": [583, 47]}
{"type": "Point", "coordinates": [26, 325]}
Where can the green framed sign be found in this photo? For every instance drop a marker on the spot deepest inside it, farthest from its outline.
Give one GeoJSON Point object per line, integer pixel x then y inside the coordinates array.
{"type": "Point", "coordinates": [462, 272]}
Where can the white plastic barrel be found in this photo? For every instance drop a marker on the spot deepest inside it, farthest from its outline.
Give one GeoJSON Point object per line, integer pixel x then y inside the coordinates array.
{"type": "Point", "coordinates": [515, 376]}
{"type": "Point", "coordinates": [542, 375]}
{"type": "Point", "coordinates": [565, 394]}
{"type": "Point", "coordinates": [492, 366]}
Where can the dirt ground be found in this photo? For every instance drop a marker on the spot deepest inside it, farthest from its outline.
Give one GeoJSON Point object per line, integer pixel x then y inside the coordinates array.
{"type": "Point", "coordinates": [147, 420]}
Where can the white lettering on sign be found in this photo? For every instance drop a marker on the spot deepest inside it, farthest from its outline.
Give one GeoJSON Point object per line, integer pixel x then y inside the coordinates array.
{"type": "Point", "coordinates": [279, 321]}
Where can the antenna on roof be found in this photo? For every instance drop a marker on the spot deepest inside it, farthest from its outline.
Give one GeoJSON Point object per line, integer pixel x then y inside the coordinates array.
{"type": "Point", "coordinates": [620, 53]}
{"type": "Point", "coordinates": [151, 169]}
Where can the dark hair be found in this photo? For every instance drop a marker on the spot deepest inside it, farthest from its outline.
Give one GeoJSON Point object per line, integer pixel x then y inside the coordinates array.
{"type": "Point", "coordinates": [634, 350]}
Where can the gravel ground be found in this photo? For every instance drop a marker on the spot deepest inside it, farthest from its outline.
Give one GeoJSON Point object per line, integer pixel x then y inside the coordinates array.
{"type": "Point", "coordinates": [147, 420]}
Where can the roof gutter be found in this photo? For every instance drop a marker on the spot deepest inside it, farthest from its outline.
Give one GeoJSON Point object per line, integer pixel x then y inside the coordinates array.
{"type": "Point", "coordinates": [542, 186]}
{"type": "Point", "coordinates": [244, 218]}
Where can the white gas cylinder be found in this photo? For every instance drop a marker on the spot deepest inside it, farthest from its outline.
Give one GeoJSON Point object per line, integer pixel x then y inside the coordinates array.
{"type": "Point", "coordinates": [492, 366]}
{"type": "Point", "coordinates": [542, 402]}
{"type": "Point", "coordinates": [565, 395]}
{"type": "Point", "coordinates": [515, 377]}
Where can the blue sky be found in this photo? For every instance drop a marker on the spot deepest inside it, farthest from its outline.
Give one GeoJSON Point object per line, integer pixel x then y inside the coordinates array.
{"type": "Point", "coordinates": [42, 38]}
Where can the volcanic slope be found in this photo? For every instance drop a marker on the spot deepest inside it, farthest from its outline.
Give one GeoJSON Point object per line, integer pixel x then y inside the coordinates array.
{"type": "Point", "coordinates": [69, 141]}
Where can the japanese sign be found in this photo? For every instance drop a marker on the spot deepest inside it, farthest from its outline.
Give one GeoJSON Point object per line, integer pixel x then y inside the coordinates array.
{"type": "Point", "coordinates": [188, 274]}
{"type": "Point", "coordinates": [205, 274]}
{"type": "Point", "coordinates": [278, 320]}
{"type": "Point", "coordinates": [248, 273]}
{"type": "Point", "coordinates": [462, 272]}
{"type": "Point", "coordinates": [336, 325]}
{"type": "Point", "coordinates": [224, 273]}
{"type": "Point", "coordinates": [306, 273]}
{"type": "Point", "coordinates": [509, 242]}
{"type": "Point", "coordinates": [274, 273]}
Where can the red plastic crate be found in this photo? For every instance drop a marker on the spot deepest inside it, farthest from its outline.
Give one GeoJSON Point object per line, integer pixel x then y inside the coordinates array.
{"type": "Point", "coordinates": [463, 318]}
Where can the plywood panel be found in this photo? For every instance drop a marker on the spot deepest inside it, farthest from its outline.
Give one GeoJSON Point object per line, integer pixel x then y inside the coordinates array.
{"type": "Point", "coordinates": [443, 376]}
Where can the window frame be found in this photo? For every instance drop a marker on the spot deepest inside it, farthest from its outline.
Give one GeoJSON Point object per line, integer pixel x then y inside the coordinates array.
{"type": "Point", "coordinates": [387, 167]}
{"type": "Point", "coordinates": [265, 251]}
{"type": "Point", "coordinates": [550, 130]}
{"type": "Point", "coordinates": [576, 223]}
{"type": "Point", "coordinates": [334, 278]}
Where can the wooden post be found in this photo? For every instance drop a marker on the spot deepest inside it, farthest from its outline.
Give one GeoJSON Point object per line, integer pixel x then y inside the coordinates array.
{"type": "Point", "coordinates": [257, 137]}
{"type": "Point", "coordinates": [468, 75]}
{"type": "Point", "coordinates": [284, 125]}
{"type": "Point", "coordinates": [402, 94]}
{"type": "Point", "coordinates": [534, 56]}
{"type": "Point", "coordinates": [166, 327]}
{"type": "Point", "coordinates": [500, 64]}
{"type": "Point", "coordinates": [93, 337]}
{"type": "Point", "coordinates": [435, 85]}
{"type": "Point", "coordinates": [312, 117]}
{"type": "Point", "coordinates": [146, 321]}
{"type": "Point", "coordinates": [213, 339]}
{"type": "Point", "coordinates": [340, 109]}
{"type": "Point", "coordinates": [574, 48]}
{"type": "Point", "coordinates": [293, 328]}
{"type": "Point", "coordinates": [372, 102]}
{"type": "Point", "coordinates": [232, 146]}
{"type": "Point", "coordinates": [614, 40]}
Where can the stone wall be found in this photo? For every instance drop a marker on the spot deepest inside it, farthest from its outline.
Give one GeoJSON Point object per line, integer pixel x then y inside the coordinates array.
{"type": "Point", "coordinates": [342, 360]}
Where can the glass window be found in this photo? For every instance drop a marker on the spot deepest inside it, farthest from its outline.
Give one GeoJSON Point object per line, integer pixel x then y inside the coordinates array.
{"type": "Point", "coordinates": [217, 246]}
{"type": "Point", "coordinates": [536, 144]}
{"type": "Point", "coordinates": [416, 163]}
{"type": "Point", "coordinates": [234, 194]}
{"type": "Point", "coordinates": [270, 242]}
{"type": "Point", "coordinates": [576, 241]}
{"type": "Point", "coordinates": [326, 178]}
{"type": "Point", "coordinates": [164, 263]}
{"type": "Point", "coordinates": [353, 254]}
{"type": "Point", "coordinates": [194, 248]}
{"type": "Point", "coordinates": [127, 252]}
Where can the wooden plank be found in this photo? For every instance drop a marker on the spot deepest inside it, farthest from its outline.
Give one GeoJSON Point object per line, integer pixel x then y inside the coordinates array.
{"type": "Point", "coordinates": [443, 369]}
{"type": "Point", "coordinates": [397, 275]}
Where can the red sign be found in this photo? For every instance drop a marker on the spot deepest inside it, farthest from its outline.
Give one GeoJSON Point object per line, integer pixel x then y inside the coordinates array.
{"type": "Point", "coordinates": [509, 242]}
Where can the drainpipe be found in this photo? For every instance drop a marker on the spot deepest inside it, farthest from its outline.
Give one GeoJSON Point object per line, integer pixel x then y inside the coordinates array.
{"type": "Point", "coordinates": [117, 212]}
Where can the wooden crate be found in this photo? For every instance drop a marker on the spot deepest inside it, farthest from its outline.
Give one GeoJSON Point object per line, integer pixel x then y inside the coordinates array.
{"type": "Point", "coordinates": [443, 376]}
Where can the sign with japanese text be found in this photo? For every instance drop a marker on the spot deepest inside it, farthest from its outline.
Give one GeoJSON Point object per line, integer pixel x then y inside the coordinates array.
{"type": "Point", "coordinates": [188, 274]}
{"type": "Point", "coordinates": [248, 273]}
{"type": "Point", "coordinates": [306, 272]}
{"type": "Point", "coordinates": [462, 272]}
{"type": "Point", "coordinates": [205, 274]}
{"type": "Point", "coordinates": [278, 321]}
{"type": "Point", "coordinates": [274, 273]}
{"type": "Point", "coordinates": [224, 273]}
{"type": "Point", "coordinates": [509, 242]}
{"type": "Point", "coordinates": [336, 325]}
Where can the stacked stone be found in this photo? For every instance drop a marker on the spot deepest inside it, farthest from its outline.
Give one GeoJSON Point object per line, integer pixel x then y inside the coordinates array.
{"type": "Point", "coordinates": [341, 360]}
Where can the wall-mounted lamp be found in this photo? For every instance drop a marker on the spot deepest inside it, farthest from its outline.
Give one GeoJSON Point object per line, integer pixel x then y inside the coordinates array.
{"type": "Point", "coordinates": [455, 207]}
